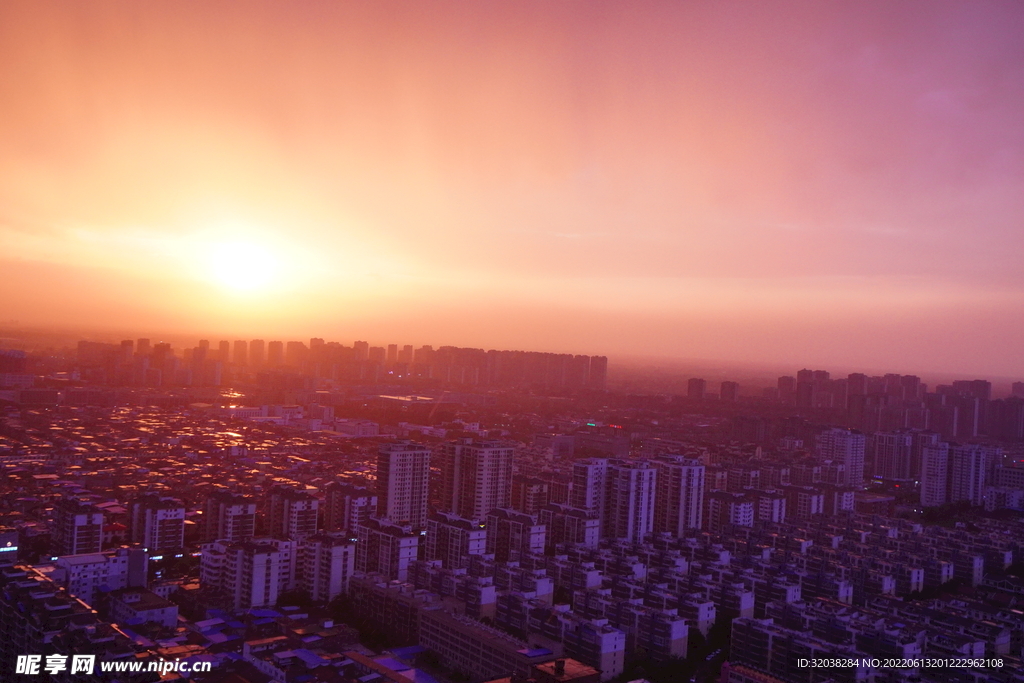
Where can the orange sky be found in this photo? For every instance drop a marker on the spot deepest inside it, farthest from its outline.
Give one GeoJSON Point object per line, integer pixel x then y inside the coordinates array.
{"type": "Point", "coordinates": [813, 183]}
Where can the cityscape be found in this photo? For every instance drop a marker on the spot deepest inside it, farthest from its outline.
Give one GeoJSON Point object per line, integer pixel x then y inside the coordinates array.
{"type": "Point", "coordinates": [452, 341]}
{"type": "Point", "coordinates": [284, 510]}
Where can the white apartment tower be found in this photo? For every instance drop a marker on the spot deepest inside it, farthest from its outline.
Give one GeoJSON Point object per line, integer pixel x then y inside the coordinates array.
{"type": "Point", "coordinates": [292, 514]}
{"type": "Point", "coordinates": [588, 485]}
{"type": "Point", "coordinates": [403, 475]}
{"type": "Point", "coordinates": [629, 505]}
{"type": "Point", "coordinates": [477, 477]}
{"type": "Point", "coordinates": [157, 523]}
{"type": "Point", "coordinates": [85, 575]}
{"type": "Point", "coordinates": [328, 562]}
{"type": "Point", "coordinates": [77, 527]}
{"type": "Point", "coordinates": [242, 575]}
{"type": "Point", "coordinates": [679, 499]}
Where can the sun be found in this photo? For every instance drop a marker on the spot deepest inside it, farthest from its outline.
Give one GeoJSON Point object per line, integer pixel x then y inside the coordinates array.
{"type": "Point", "coordinates": [241, 266]}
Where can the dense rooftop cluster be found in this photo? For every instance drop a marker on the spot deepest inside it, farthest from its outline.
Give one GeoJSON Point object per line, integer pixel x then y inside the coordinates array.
{"type": "Point", "coordinates": [289, 522]}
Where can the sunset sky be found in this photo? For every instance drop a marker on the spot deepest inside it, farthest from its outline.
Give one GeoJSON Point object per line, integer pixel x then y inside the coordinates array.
{"type": "Point", "coordinates": [820, 183]}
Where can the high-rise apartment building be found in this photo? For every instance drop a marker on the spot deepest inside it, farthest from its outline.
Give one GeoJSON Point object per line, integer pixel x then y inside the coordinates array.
{"type": "Point", "coordinates": [405, 355]}
{"type": "Point", "coordinates": [126, 352]}
{"type": "Point", "coordinates": [804, 502]}
{"type": "Point", "coordinates": [559, 487]}
{"type": "Point", "coordinates": [679, 498]}
{"type": "Point", "coordinates": [423, 356]}
{"type": "Point", "coordinates": [912, 387]}
{"type": "Point", "coordinates": [291, 513]}
{"type": "Point", "coordinates": [975, 388]}
{"type": "Point", "coordinates": [403, 477]}
{"type": "Point", "coordinates": [295, 354]}
{"type": "Point", "coordinates": [726, 508]}
{"type": "Point", "coordinates": [838, 499]}
{"type": "Point", "coordinates": [569, 525]}
{"type": "Point", "coordinates": [257, 349]}
{"type": "Point", "coordinates": [275, 354]}
{"type": "Point", "coordinates": [327, 563]}
{"type": "Point", "coordinates": [588, 485]}
{"type": "Point", "coordinates": [84, 576]}
{"type": "Point", "coordinates": [856, 384]}
{"type": "Point", "coordinates": [920, 440]}
{"type": "Point", "coordinates": [157, 522]}
{"type": "Point", "coordinates": [77, 527]}
{"type": "Point", "coordinates": [229, 517]}
{"type": "Point", "coordinates": [347, 507]}
{"type": "Point", "coordinates": [893, 455]}
{"type": "Point", "coordinates": [386, 548]}
{"type": "Point", "coordinates": [934, 474]}
{"type": "Point", "coordinates": [453, 539]}
{"type": "Point", "coordinates": [511, 534]}
{"type": "Point", "coordinates": [845, 446]}
{"type": "Point", "coordinates": [770, 506]}
{"type": "Point", "coordinates": [242, 575]}
{"type": "Point", "coordinates": [477, 477]}
{"type": "Point", "coordinates": [741, 477]}
{"type": "Point", "coordinates": [241, 353]}
{"type": "Point", "coordinates": [598, 375]}
{"type": "Point", "coordinates": [969, 466]}
{"type": "Point", "coordinates": [629, 505]}
{"type": "Point", "coordinates": [529, 494]}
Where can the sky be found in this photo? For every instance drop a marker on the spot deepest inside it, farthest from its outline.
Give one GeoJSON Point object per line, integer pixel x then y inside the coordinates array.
{"type": "Point", "coordinates": [810, 183]}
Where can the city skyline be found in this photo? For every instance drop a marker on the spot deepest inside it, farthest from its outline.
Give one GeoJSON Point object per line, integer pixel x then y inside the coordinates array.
{"type": "Point", "coordinates": [659, 374]}
{"type": "Point", "coordinates": [533, 342]}
{"type": "Point", "coordinates": [803, 184]}
{"type": "Point", "coordinates": [505, 503]}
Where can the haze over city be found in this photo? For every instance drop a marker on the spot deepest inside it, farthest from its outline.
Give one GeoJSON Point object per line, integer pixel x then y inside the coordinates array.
{"type": "Point", "coordinates": [520, 342]}
{"type": "Point", "coordinates": [837, 184]}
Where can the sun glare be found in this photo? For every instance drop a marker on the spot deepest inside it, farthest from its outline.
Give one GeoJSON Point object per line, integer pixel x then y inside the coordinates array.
{"type": "Point", "coordinates": [242, 266]}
